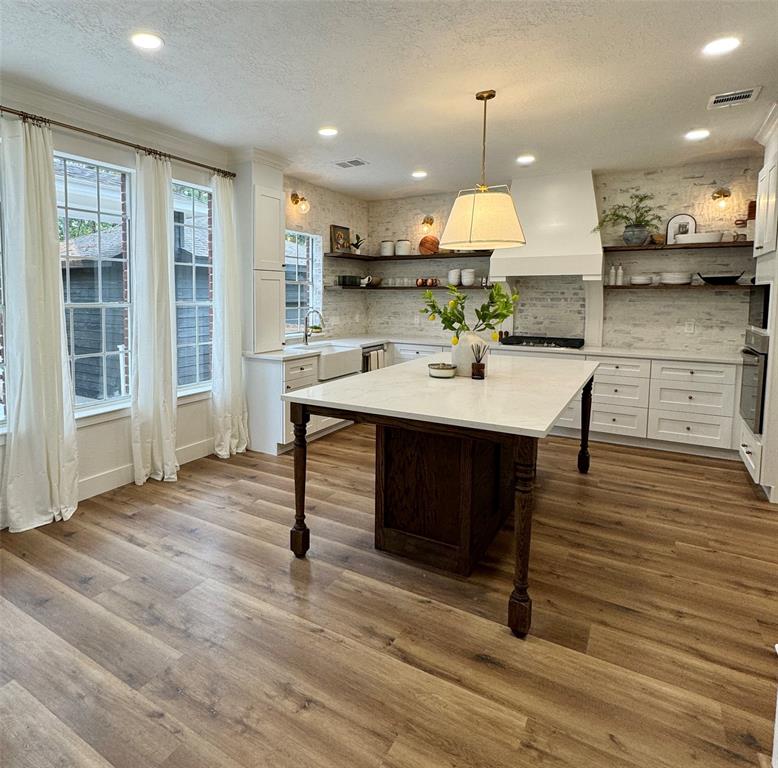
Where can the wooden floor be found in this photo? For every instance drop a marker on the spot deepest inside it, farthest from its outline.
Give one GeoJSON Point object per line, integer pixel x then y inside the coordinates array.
{"type": "Point", "coordinates": [169, 625]}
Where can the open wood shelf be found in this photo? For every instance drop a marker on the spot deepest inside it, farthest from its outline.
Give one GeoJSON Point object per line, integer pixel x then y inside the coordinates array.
{"type": "Point", "coordinates": [663, 286]}
{"type": "Point", "coordinates": [405, 288]}
{"type": "Point", "coordinates": [681, 246]}
{"type": "Point", "coordinates": [412, 256]}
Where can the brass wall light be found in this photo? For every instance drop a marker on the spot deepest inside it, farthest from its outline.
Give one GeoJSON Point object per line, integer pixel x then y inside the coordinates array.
{"type": "Point", "coordinates": [426, 224]}
{"type": "Point", "coordinates": [302, 204]}
{"type": "Point", "coordinates": [721, 195]}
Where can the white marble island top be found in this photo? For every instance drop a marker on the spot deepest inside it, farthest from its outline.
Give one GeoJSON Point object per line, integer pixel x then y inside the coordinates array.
{"type": "Point", "coordinates": [520, 395]}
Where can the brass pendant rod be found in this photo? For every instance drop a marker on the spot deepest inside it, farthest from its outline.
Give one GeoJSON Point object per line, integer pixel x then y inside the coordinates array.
{"type": "Point", "coordinates": [484, 96]}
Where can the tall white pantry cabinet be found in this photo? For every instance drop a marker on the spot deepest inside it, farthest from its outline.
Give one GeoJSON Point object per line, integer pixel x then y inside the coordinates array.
{"type": "Point", "coordinates": [261, 222]}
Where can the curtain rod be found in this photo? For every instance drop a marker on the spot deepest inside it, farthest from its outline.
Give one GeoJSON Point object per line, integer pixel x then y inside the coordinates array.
{"type": "Point", "coordinates": [104, 137]}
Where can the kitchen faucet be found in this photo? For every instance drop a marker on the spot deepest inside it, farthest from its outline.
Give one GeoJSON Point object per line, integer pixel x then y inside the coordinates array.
{"type": "Point", "coordinates": [306, 327]}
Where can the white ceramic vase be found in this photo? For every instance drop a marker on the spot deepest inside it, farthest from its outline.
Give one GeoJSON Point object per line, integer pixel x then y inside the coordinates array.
{"type": "Point", "coordinates": [462, 353]}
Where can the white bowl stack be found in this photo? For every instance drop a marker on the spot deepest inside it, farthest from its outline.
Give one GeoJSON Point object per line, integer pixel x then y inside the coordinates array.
{"type": "Point", "coordinates": [675, 278]}
{"type": "Point", "coordinates": [640, 279]}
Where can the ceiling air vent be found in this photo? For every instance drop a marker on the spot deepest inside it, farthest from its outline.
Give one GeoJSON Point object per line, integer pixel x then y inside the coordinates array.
{"type": "Point", "coordinates": [355, 163]}
{"type": "Point", "coordinates": [733, 98]}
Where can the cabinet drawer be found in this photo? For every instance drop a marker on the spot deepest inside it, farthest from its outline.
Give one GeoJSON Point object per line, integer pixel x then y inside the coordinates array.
{"type": "Point", "coordinates": [620, 390]}
{"type": "Point", "coordinates": [619, 420]}
{"type": "Point", "coordinates": [750, 450]}
{"type": "Point", "coordinates": [694, 428]}
{"type": "Point", "coordinates": [571, 416]}
{"type": "Point", "coordinates": [707, 373]}
{"type": "Point", "coordinates": [622, 366]}
{"type": "Point", "coordinates": [714, 399]}
{"type": "Point", "coordinates": [306, 368]}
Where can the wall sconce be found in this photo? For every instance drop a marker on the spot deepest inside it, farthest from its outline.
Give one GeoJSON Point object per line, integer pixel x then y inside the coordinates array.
{"type": "Point", "coordinates": [426, 224]}
{"type": "Point", "coordinates": [302, 204]}
{"type": "Point", "coordinates": [721, 195]}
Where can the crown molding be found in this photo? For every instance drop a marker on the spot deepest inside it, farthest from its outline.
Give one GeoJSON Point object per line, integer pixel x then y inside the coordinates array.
{"type": "Point", "coordinates": [254, 155]}
{"type": "Point", "coordinates": [769, 125]}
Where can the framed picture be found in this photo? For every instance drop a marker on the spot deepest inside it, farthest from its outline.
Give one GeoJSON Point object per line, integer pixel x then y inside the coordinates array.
{"type": "Point", "coordinates": [340, 238]}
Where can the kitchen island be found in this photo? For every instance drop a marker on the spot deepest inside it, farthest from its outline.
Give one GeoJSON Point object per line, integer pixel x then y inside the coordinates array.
{"type": "Point", "coordinates": [453, 456]}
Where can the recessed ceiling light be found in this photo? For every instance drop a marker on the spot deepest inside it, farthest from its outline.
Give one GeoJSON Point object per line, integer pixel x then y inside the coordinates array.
{"type": "Point", "coordinates": [147, 41]}
{"type": "Point", "coordinates": [525, 159]}
{"type": "Point", "coordinates": [720, 46]}
{"type": "Point", "coordinates": [419, 174]}
{"type": "Point", "coordinates": [328, 131]}
{"type": "Point", "coordinates": [697, 135]}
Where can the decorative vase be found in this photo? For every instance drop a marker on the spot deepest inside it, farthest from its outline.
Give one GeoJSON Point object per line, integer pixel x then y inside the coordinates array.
{"type": "Point", "coordinates": [479, 371]}
{"type": "Point", "coordinates": [634, 235]}
{"type": "Point", "coordinates": [357, 251]}
{"type": "Point", "coordinates": [462, 353]}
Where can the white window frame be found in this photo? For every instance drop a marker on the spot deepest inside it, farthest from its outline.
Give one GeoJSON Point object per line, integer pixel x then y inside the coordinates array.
{"type": "Point", "coordinates": [116, 403]}
{"type": "Point", "coordinates": [204, 385]}
{"type": "Point", "coordinates": [313, 284]}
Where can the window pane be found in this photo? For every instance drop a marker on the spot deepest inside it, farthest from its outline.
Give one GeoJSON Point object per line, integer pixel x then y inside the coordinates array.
{"type": "Point", "coordinates": [182, 243]}
{"type": "Point", "coordinates": [88, 379]}
{"type": "Point", "coordinates": [202, 249]}
{"type": "Point", "coordinates": [82, 236]}
{"type": "Point", "coordinates": [183, 202]}
{"type": "Point", "coordinates": [204, 362]}
{"type": "Point", "coordinates": [184, 283]}
{"type": "Point", "coordinates": [81, 186]}
{"type": "Point", "coordinates": [116, 376]}
{"type": "Point", "coordinates": [88, 331]}
{"type": "Point", "coordinates": [201, 208]}
{"type": "Point", "coordinates": [203, 283]}
{"type": "Point", "coordinates": [117, 324]}
{"type": "Point", "coordinates": [68, 326]}
{"type": "Point", "coordinates": [110, 191]}
{"type": "Point", "coordinates": [204, 324]}
{"type": "Point", "coordinates": [185, 325]}
{"type": "Point", "coordinates": [113, 281]}
{"type": "Point", "coordinates": [83, 281]}
{"type": "Point", "coordinates": [112, 245]}
{"type": "Point", "coordinates": [59, 179]}
{"type": "Point", "coordinates": [187, 366]}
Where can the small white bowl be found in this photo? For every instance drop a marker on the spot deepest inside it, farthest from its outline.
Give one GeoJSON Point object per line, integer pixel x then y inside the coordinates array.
{"type": "Point", "coordinates": [699, 237]}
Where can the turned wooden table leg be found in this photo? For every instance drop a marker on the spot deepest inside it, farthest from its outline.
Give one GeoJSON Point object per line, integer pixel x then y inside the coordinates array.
{"type": "Point", "coordinates": [520, 603]}
{"type": "Point", "coordinates": [299, 535]}
{"type": "Point", "coordinates": [586, 417]}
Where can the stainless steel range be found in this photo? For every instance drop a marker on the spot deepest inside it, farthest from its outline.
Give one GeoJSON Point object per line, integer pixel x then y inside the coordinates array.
{"type": "Point", "coordinates": [542, 341]}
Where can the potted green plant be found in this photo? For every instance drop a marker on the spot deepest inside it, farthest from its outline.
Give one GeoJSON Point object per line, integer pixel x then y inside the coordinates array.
{"type": "Point", "coordinates": [637, 216]}
{"type": "Point", "coordinates": [452, 315]}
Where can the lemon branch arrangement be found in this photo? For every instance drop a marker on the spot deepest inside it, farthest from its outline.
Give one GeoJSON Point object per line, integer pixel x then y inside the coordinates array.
{"type": "Point", "coordinates": [497, 307]}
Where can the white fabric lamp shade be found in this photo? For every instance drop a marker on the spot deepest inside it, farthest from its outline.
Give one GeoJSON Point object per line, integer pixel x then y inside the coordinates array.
{"type": "Point", "coordinates": [482, 220]}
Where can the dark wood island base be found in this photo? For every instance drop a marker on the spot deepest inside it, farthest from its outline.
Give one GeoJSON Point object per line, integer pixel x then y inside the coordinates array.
{"type": "Point", "coordinates": [443, 492]}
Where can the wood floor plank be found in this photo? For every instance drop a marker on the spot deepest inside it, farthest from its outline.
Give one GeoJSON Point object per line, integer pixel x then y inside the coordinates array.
{"type": "Point", "coordinates": [168, 625]}
{"type": "Point", "coordinates": [32, 737]}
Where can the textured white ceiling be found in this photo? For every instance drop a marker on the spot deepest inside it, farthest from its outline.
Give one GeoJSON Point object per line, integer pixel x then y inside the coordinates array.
{"type": "Point", "coordinates": [579, 84]}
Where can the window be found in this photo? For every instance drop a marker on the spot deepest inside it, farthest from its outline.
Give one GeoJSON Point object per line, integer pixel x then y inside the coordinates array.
{"type": "Point", "coordinates": [92, 208]}
{"type": "Point", "coordinates": [193, 250]}
{"type": "Point", "coordinates": [303, 265]}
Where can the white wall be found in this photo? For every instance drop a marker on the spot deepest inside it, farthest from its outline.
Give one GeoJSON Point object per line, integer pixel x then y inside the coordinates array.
{"type": "Point", "coordinates": [104, 446]}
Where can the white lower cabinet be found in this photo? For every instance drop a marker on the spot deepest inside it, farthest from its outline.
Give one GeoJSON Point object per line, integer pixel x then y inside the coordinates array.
{"type": "Point", "coordinates": [571, 417]}
{"type": "Point", "coordinates": [696, 397]}
{"type": "Point", "coordinates": [693, 428]}
{"type": "Point", "coordinates": [620, 390]}
{"type": "Point", "coordinates": [750, 449]}
{"type": "Point", "coordinates": [619, 419]}
{"type": "Point", "coordinates": [401, 353]}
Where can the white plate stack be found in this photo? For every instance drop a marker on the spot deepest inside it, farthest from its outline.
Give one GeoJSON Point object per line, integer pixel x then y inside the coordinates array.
{"type": "Point", "coordinates": [641, 279]}
{"type": "Point", "coordinates": [675, 278]}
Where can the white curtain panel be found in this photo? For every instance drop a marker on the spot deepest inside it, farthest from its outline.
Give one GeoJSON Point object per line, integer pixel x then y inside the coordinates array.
{"type": "Point", "coordinates": [153, 357]}
{"type": "Point", "coordinates": [229, 398]}
{"type": "Point", "coordinates": [40, 472]}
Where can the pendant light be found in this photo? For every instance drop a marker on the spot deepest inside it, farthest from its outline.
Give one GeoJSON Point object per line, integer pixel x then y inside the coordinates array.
{"type": "Point", "coordinates": [485, 217]}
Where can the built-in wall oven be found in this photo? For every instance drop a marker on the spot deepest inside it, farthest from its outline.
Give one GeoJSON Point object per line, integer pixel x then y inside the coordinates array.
{"type": "Point", "coordinates": [754, 381]}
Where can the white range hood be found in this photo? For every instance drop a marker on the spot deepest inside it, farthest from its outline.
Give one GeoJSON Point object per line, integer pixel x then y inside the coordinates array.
{"type": "Point", "coordinates": [558, 213]}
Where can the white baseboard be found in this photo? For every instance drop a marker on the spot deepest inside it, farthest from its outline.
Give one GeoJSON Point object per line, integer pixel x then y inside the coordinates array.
{"type": "Point", "coordinates": [119, 476]}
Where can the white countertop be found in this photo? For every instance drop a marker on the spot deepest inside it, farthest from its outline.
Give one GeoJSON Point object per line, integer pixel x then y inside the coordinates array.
{"type": "Point", "coordinates": [520, 395]}
{"type": "Point", "coordinates": [366, 341]}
